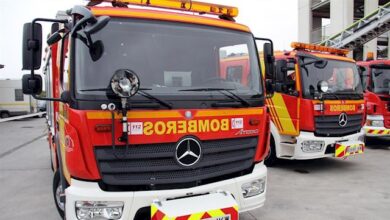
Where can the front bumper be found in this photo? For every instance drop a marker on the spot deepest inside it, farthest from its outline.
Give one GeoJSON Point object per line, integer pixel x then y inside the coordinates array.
{"type": "Point", "coordinates": [328, 149]}
{"type": "Point", "coordinates": [377, 131]}
{"type": "Point", "coordinates": [133, 201]}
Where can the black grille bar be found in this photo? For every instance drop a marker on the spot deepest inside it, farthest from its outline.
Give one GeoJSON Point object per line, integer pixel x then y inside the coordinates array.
{"type": "Point", "coordinates": [328, 126]}
{"type": "Point", "coordinates": [154, 165]}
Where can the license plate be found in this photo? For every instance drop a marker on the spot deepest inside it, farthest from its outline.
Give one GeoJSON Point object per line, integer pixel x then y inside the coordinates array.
{"type": "Point", "coordinates": [348, 149]}
{"type": "Point", "coordinates": [213, 206]}
{"type": "Point", "coordinates": [354, 149]}
{"type": "Point", "coordinates": [225, 217]}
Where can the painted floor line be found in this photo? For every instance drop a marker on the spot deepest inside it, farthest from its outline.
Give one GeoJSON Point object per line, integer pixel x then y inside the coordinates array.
{"type": "Point", "coordinates": [20, 146]}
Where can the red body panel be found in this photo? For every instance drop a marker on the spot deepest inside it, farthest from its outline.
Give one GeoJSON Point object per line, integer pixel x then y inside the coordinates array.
{"type": "Point", "coordinates": [81, 136]}
{"type": "Point", "coordinates": [377, 104]}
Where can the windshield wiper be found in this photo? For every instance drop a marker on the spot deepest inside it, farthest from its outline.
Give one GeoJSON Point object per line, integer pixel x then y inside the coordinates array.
{"type": "Point", "coordinates": [351, 94]}
{"type": "Point", "coordinates": [230, 94]}
{"type": "Point", "coordinates": [149, 96]}
{"type": "Point", "coordinates": [141, 92]}
{"type": "Point", "coordinates": [378, 73]}
{"type": "Point", "coordinates": [332, 94]}
{"type": "Point", "coordinates": [107, 89]}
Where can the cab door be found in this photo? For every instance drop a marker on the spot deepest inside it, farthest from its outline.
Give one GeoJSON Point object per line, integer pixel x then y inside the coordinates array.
{"type": "Point", "coordinates": [284, 104]}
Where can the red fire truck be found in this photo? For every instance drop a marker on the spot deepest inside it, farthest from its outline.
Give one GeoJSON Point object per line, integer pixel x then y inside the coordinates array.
{"type": "Point", "coordinates": [142, 124]}
{"type": "Point", "coordinates": [375, 76]}
{"type": "Point", "coordinates": [318, 108]}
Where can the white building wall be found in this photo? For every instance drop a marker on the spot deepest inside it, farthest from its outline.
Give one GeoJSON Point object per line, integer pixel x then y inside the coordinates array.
{"type": "Point", "coordinates": [305, 21]}
{"type": "Point", "coordinates": [369, 7]}
{"type": "Point", "coordinates": [341, 15]}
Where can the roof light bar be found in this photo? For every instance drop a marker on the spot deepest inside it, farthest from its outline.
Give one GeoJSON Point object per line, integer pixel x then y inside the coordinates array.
{"type": "Point", "coordinates": [313, 47]}
{"type": "Point", "coordinates": [182, 5]}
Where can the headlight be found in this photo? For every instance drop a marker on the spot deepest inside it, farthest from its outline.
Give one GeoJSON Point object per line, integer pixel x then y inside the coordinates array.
{"type": "Point", "coordinates": [253, 188]}
{"type": "Point", "coordinates": [375, 123]}
{"type": "Point", "coordinates": [98, 210]}
{"type": "Point", "coordinates": [313, 146]}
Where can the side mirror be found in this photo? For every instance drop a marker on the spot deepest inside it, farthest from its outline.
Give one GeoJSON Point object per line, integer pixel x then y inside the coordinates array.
{"type": "Point", "coordinates": [281, 71]}
{"type": "Point", "coordinates": [269, 61]}
{"type": "Point", "coordinates": [54, 38]}
{"type": "Point", "coordinates": [361, 70]}
{"type": "Point", "coordinates": [269, 86]}
{"type": "Point", "coordinates": [65, 96]}
{"type": "Point", "coordinates": [32, 85]}
{"type": "Point", "coordinates": [101, 22]}
{"type": "Point", "coordinates": [32, 46]}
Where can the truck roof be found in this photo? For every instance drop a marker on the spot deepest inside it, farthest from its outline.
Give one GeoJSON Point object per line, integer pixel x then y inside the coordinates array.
{"type": "Point", "coordinates": [291, 54]}
{"type": "Point", "coordinates": [167, 16]}
{"type": "Point", "coordinates": [374, 62]}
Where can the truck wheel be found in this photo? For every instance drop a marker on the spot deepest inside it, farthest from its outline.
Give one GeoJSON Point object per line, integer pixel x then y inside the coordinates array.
{"type": "Point", "coordinates": [4, 115]}
{"type": "Point", "coordinates": [57, 190]}
{"type": "Point", "coordinates": [271, 159]}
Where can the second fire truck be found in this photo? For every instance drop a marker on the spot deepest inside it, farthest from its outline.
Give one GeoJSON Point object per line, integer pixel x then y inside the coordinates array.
{"type": "Point", "coordinates": [376, 82]}
{"type": "Point", "coordinates": [318, 108]}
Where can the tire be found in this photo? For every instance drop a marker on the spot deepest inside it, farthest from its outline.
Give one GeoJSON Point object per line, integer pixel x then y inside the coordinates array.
{"type": "Point", "coordinates": [57, 190]}
{"type": "Point", "coordinates": [271, 159]}
{"type": "Point", "coordinates": [4, 115]}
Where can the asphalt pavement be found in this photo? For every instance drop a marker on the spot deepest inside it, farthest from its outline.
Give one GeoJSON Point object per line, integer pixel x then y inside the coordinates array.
{"type": "Point", "coordinates": [357, 188]}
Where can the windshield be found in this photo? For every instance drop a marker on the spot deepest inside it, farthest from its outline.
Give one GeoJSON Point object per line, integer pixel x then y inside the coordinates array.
{"type": "Point", "coordinates": [342, 77]}
{"type": "Point", "coordinates": [172, 60]}
{"type": "Point", "coordinates": [381, 79]}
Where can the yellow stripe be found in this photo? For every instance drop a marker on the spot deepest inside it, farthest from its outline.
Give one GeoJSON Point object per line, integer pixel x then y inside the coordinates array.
{"type": "Point", "coordinates": [340, 150]}
{"type": "Point", "coordinates": [229, 112]}
{"type": "Point", "coordinates": [65, 170]}
{"type": "Point", "coordinates": [153, 210]}
{"type": "Point", "coordinates": [196, 216]}
{"type": "Point", "coordinates": [166, 218]}
{"type": "Point", "coordinates": [236, 207]}
{"type": "Point", "coordinates": [338, 102]}
{"type": "Point", "coordinates": [283, 114]}
{"type": "Point", "coordinates": [135, 115]}
{"type": "Point", "coordinates": [176, 114]}
{"type": "Point", "coordinates": [216, 213]}
{"type": "Point", "coordinates": [376, 131]}
{"type": "Point", "coordinates": [274, 116]}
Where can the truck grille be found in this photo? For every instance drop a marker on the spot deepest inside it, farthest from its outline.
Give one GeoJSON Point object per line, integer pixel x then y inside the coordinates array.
{"type": "Point", "coordinates": [153, 166]}
{"type": "Point", "coordinates": [328, 126]}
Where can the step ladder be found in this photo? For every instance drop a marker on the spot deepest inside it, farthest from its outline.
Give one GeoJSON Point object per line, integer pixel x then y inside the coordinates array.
{"type": "Point", "coordinates": [362, 31]}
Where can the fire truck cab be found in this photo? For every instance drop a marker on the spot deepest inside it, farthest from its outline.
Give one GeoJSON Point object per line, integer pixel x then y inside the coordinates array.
{"type": "Point", "coordinates": [142, 124]}
{"type": "Point", "coordinates": [318, 107]}
{"type": "Point", "coordinates": [375, 76]}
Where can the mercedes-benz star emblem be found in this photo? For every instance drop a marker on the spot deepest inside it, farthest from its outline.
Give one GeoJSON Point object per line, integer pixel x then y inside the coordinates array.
{"type": "Point", "coordinates": [188, 152]}
{"type": "Point", "coordinates": [343, 119]}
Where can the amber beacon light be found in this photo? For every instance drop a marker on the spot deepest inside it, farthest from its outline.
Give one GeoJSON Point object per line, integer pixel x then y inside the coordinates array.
{"type": "Point", "coordinates": [314, 47]}
{"type": "Point", "coordinates": [182, 5]}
